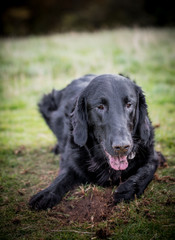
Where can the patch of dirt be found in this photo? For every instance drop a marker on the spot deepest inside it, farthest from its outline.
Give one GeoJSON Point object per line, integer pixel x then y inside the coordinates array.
{"type": "Point", "coordinates": [166, 179]}
{"type": "Point", "coordinates": [103, 233]}
{"type": "Point", "coordinates": [92, 205]}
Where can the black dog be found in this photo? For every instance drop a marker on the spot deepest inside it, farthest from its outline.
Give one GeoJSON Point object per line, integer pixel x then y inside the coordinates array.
{"type": "Point", "coordinates": [104, 137]}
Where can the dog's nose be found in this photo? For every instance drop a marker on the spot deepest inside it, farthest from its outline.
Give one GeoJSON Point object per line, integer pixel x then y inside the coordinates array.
{"type": "Point", "coordinates": [121, 148]}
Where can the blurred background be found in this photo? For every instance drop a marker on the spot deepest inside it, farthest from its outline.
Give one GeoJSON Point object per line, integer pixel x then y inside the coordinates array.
{"type": "Point", "coordinates": [26, 17]}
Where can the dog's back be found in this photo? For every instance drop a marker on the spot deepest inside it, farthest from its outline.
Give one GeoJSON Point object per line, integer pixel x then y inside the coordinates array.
{"type": "Point", "coordinates": [56, 107]}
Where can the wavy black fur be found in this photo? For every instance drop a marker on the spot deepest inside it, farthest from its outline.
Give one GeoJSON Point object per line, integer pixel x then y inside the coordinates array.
{"type": "Point", "coordinates": [91, 116]}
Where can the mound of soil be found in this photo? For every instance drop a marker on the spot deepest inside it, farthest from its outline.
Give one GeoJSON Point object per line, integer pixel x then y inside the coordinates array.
{"type": "Point", "coordinates": [90, 205]}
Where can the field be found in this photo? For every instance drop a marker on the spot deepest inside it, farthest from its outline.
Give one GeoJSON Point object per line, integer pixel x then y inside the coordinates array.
{"type": "Point", "coordinates": [32, 66]}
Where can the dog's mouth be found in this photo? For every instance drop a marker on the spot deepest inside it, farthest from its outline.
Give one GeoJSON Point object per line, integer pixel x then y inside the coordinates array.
{"type": "Point", "coordinates": [119, 162]}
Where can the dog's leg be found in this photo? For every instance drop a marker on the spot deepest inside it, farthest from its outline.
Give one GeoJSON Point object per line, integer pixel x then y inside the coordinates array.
{"type": "Point", "coordinates": [161, 160]}
{"type": "Point", "coordinates": [136, 184]}
{"type": "Point", "coordinates": [53, 194]}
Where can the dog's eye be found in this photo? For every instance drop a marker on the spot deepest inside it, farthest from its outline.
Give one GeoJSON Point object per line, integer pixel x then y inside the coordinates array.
{"type": "Point", "coordinates": [101, 107]}
{"type": "Point", "coordinates": [128, 105]}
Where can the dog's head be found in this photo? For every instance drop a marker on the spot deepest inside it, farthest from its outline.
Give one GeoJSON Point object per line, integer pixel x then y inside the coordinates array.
{"type": "Point", "coordinates": [113, 109]}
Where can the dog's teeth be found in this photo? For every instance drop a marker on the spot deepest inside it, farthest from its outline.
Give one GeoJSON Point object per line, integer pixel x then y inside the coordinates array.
{"type": "Point", "coordinates": [131, 155]}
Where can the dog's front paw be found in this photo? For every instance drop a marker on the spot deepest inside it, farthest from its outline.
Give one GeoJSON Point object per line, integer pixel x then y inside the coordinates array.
{"type": "Point", "coordinates": [125, 192]}
{"type": "Point", "coordinates": [43, 200]}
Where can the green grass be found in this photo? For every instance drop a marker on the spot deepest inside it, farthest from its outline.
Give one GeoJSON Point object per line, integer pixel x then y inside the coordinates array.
{"type": "Point", "coordinates": [32, 66]}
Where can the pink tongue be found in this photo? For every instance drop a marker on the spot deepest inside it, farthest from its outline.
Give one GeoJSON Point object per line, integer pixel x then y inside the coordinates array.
{"type": "Point", "coordinates": [118, 163]}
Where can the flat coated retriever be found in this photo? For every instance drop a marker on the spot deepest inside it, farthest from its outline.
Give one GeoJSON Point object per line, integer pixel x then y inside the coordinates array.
{"type": "Point", "coordinates": [104, 137]}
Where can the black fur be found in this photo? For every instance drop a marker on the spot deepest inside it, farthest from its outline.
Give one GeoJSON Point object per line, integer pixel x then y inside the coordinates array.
{"type": "Point", "coordinates": [104, 137]}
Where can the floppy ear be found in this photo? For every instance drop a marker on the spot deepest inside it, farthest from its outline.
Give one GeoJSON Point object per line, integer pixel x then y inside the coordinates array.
{"type": "Point", "coordinates": [142, 122]}
{"type": "Point", "coordinates": [79, 122]}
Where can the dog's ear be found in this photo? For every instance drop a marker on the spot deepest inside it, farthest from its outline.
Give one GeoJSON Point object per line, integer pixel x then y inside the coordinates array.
{"type": "Point", "coordinates": [79, 121]}
{"type": "Point", "coordinates": [142, 122]}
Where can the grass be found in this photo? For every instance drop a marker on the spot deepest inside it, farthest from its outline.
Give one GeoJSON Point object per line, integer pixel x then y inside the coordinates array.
{"type": "Point", "coordinates": [32, 66]}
